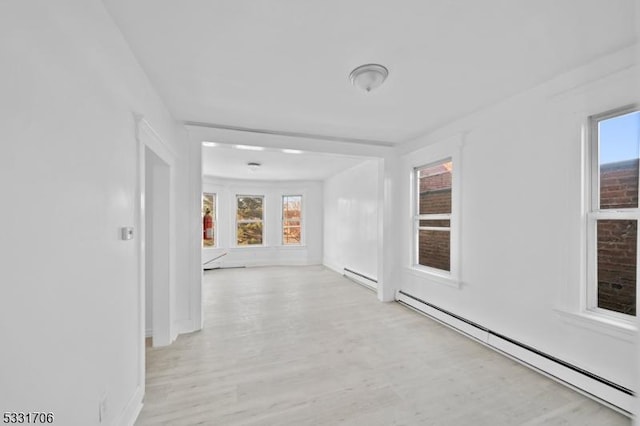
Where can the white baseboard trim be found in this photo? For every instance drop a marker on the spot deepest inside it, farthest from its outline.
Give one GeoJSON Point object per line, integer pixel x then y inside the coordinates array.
{"type": "Point", "coordinates": [179, 327]}
{"type": "Point", "coordinates": [368, 282]}
{"type": "Point", "coordinates": [131, 411]}
{"type": "Point", "coordinates": [257, 263]}
{"type": "Point", "coordinates": [600, 389]}
{"type": "Point", "coordinates": [185, 326]}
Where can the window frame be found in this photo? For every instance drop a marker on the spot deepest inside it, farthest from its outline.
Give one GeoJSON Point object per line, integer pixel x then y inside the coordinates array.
{"type": "Point", "coordinates": [594, 214]}
{"type": "Point", "coordinates": [237, 222]}
{"type": "Point", "coordinates": [216, 237]}
{"type": "Point", "coordinates": [447, 153]}
{"type": "Point", "coordinates": [282, 221]}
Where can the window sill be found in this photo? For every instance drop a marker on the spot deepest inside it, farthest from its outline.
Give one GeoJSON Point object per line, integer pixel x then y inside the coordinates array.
{"type": "Point", "coordinates": [434, 277]}
{"type": "Point", "coordinates": [292, 246]}
{"type": "Point", "coordinates": [620, 329]}
{"type": "Point", "coordinates": [277, 247]}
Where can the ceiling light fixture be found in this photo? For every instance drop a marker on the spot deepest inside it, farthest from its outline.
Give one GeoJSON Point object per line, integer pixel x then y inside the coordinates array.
{"type": "Point", "coordinates": [249, 147]}
{"type": "Point", "coordinates": [292, 151]}
{"type": "Point", "coordinates": [209, 144]}
{"type": "Point", "coordinates": [368, 77]}
{"type": "Point", "coordinates": [253, 166]}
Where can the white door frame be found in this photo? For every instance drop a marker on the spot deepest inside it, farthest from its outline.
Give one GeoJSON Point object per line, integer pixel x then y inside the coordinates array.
{"type": "Point", "coordinates": [194, 179]}
{"type": "Point", "coordinates": [163, 333]}
{"type": "Point", "coordinates": [157, 204]}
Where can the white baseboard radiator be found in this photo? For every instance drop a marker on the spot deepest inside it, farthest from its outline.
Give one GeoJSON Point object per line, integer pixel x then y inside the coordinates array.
{"type": "Point", "coordinates": [605, 391]}
{"type": "Point", "coordinates": [206, 266]}
{"type": "Point", "coordinates": [368, 282]}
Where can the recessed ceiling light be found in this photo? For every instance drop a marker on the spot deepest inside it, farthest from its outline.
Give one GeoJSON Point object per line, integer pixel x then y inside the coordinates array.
{"type": "Point", "coordinates": [253, 166]}
{"type": "Point", "coordinates": [209, 144]}
{"type": "Point", "coordinates": [292, 151]}
{"type": "Point", "coordinates": [249, 147]}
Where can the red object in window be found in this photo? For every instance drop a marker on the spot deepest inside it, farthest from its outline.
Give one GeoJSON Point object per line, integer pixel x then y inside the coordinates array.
{"type": "Point", "coordinates": [207, 227]}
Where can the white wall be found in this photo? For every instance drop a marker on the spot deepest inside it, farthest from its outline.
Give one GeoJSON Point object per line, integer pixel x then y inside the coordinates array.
{"type": "Point", "coordinates": [68, 175]}
{"type": "Point", "coordinates": [273, 252]}
{"type": "Point", "coordinates": [522, 256]}
{"type": "Point", "coordinates": [351, 219]}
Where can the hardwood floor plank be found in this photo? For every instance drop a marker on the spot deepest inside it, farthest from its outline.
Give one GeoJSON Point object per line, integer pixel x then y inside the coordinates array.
{"type": "Point", "coordinates": [305, 346]}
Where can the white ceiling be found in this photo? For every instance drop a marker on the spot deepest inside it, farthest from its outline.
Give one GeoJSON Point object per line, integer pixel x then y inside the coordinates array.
{"type": "Point", "coordinates": [284, 65]}
{"type": "Point", "coordinates": [228, 162]}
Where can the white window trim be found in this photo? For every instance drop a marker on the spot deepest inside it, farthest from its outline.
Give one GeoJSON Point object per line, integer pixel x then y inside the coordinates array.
{"type": "Point", "coordinates": [303, 233]}
{"type": "Point", "coordinates": [216, 230]}
{"type": "Point", "coordinates": [452, 277]}
{"type": "Point", "coordinates": [264, 226]}
{"type": "Point", "coordinates": [589, 302]}
{"type": "Point", "coordinates": [602, 324]}
{"type": "Point", "coordinates": [434, 276]}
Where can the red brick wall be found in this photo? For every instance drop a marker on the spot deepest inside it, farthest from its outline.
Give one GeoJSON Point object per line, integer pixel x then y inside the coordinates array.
{"type": "Point", "coordinates": [617, 239]}
{"type": "Point", "coordinates": [434, 249]}
{"type": "Point", "coordinates": [435, 182]}
{"type": "Point", "coordinates": [435, 197]}
{"type": "Point", "coordinates": [435, 202]}
{"type": "Point", "coordinates": [619, 185]}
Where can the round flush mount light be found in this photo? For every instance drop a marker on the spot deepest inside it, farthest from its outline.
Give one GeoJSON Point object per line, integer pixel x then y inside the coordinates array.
{"type": "Point", "coordinates": [253, 166]}
{"type": "Point", "coordinates": [369, 76]}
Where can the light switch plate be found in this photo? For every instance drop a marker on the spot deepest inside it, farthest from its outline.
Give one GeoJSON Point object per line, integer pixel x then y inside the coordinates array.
{"type": "Point", "coordinates": [127, 233]}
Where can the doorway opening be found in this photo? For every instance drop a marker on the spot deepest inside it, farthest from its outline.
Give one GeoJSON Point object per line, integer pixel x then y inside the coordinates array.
{"type": "Point", "coordinates": [157, 248]}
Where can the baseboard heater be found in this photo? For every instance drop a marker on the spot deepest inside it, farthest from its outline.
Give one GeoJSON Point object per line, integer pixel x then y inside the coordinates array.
{"type": "Point", "coordinates": [361, 279]}
{"type": "Point", "coordinates": [208, 268]}
{"type": "Point", "coordinates": [223, 267]}
{"type": "Point", "coordinates": [605, 391]}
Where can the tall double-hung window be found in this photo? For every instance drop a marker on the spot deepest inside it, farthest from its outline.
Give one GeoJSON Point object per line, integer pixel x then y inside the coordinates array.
{"type": "Point", "coordinates": [433, 216]}
{"type": "Point", "coordinates": [209, 220]}
{"type": "Point", "coordinates": [249, 220]}
{"type": "Point", "coordinates": [613, 213]}
{"type": "Point", "coordinates": [292, 219]}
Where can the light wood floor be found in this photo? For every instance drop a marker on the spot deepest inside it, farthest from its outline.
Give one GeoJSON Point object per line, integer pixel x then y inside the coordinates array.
{"type": "Point", "coordinates": [305, 346]}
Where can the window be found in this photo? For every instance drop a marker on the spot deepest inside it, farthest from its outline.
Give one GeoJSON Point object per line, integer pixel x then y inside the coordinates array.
{"type": "Point", "coordinates": [249, 220]}
{"type": "Point", "coordinates": [209, 219]}
{"type": "Point", "coordinates": [432, 215]}
{"type": "Point", "coordinates": [292, 219]}
{"type": "Point", "coordinates": [613, 214]}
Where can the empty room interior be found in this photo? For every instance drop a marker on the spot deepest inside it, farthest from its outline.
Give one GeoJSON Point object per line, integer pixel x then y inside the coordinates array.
{"type": "Point", "coordinates": [319, 213]}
